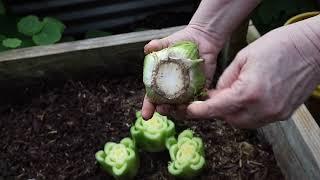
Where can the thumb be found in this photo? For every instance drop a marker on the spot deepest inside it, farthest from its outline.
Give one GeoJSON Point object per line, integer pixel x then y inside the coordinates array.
{"type": "Point", "coordinates": [232, 72]}
{"type": "Point", "coordinates": [225, 100]}
{"type": "Point", "coordinates": [156, 45]}
{"type": "Point", "coordinates": [221, 104]}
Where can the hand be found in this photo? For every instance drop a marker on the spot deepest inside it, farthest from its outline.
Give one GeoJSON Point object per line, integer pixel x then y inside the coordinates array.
{"type": "Point", "coordinates": [266, 82]}
{"type": "Point", "coordinates": [209, 45]}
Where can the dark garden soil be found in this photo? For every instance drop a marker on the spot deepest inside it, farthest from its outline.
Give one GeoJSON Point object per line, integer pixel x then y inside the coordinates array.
{"type": "Point", "coordinates": [57, 133]}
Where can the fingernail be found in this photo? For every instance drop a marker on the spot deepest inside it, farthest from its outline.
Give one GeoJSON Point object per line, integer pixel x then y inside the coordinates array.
{"type": "Point", "coordinates": [189, 113]}
{"type": "Point", "coordinates": [197, 102]}
{"type": "Point", "coordinates": [144, 116]}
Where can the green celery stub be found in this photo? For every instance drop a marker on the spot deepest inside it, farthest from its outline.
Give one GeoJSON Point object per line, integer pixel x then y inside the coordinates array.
{"type": "Point", "coordinates": [119, 159]}
{"type": "Point", "coordinates": [151, 135]}
{"type": "Point", "coordinates": [187, 155]}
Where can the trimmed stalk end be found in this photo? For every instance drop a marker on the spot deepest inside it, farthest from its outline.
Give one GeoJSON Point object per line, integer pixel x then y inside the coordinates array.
{"type": "Point", "coordinates": [174, 75]}
{"type": "Point", "coordinates": [170, 79]}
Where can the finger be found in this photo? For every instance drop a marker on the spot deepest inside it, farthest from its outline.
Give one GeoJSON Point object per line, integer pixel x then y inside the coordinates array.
{"type": "Point", "coordinates": [227, 98]}
{"type": "Point", "coordinates": [213, 92]}
{"type": "Point", "coordinates": [209, 69]}
{"type": "Point", "coordinates": [163, 109]}
{"type": "Point", "coordinates": [147, 109]}
{"type": "Point", "coordinates": [156, 45]}
{"type": "Point", "coordinates": [221, 103]}
{"type": "Point", "coordinates": [180, 111]}
{"type": "Point", "coordinates": [176, 112]}
{"type": "Point", "coordinates": [244, 120]}
{"type": "Point", "coordinates": [232, 72]}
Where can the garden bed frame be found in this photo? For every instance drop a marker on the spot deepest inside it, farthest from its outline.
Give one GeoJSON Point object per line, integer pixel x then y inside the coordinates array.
{"type": "Point", "coordinates": [295, 142]}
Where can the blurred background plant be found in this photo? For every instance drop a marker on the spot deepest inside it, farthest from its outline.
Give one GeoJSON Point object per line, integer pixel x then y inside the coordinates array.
{"type": "Point", "coordinates": [93, 18]}
{"type": "Point", "coordinates": [271, 14]}
{"type": "Point", "coordinates": [26, 31]}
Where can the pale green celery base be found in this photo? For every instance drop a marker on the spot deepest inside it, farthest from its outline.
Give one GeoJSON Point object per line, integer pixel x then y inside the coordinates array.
{"type": "Point", "coordinates": [191, 168]}
{"type": "Point", "coordinates": [130, 167]}
{"type": "Point", "coordinates": [185, 51]}
{"type": "Point", "coordinates": [148, 141]}
{"type": "Point", "coordinates": [170, 142]}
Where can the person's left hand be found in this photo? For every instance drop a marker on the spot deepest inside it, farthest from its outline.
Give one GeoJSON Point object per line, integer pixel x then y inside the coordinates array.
{"type": "Point", "coordinates": [209, 44]}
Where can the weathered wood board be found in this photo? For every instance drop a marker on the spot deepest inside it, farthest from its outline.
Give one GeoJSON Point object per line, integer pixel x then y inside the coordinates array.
{"type": "Point", "coordinates": [36, 66]}
{"type": "Point", "coordinates": [117, 54]}
{"type": "Point", "coordinates": [24, 71]}
{"type": "Point", "coordinates": [296, 144]}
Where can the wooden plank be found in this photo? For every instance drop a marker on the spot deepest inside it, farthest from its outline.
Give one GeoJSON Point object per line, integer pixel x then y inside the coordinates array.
{"type": "Point", "coordinates": [253, 33]}
{"type": "Point", "coordinates": [296, 145]}
{"type": "Point", "coordinates": [86, 46]}
{"type": "Point", "coordinates": [113, 55]}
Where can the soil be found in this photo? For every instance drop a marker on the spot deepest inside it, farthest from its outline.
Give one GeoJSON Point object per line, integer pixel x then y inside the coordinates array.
{"type": "Point", "coordinates": [56, 134]}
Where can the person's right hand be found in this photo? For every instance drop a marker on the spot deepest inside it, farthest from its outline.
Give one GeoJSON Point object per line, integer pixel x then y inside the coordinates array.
{"type": "Point", "coordinates": [268, 80]}
{"type": "Point", "coordinates": [209, 45]}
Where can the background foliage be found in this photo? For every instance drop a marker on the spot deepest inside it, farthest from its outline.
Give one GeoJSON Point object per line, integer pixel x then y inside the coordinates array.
{"type": "Point", "coordinates": [271, 14]}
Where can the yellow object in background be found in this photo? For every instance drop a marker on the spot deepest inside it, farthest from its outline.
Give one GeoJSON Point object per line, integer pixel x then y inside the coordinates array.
{"type": "Point", "coordinates": [316, 93]}
{"type": "Point", "coordinates": [300, 17]}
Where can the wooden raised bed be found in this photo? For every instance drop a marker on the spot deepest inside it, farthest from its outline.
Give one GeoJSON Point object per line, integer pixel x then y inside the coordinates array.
{"type": "Point", "coordinates": [295, 142]}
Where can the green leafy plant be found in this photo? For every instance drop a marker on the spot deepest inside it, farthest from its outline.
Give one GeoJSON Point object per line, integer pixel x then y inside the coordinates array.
{"type": "Point", "coordinates": [151, 135]}
{"type": "Point", "coordinates": [50, 34]}
{"type": "Point", "coordinates": [119, 159]}
{"type": "Point", "coordinates": [29, 31]}
{"type": "Point", "coordinates": [11, 42]}
{"type": "Point", "coordinates": [29, 25]}
{"type": "Point", "coordinates": [56, 23]}
{"type": "Point", "coordinates": [174, 75]}
{"type": "Point", "coordinates": [48, 31]}
{"type": "Point", "coordinates": [187, 155]}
